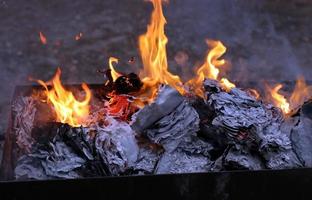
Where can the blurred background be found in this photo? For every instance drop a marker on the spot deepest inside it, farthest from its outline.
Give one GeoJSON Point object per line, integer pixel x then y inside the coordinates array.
{"type": "Point", "coordinates": [266, 40]}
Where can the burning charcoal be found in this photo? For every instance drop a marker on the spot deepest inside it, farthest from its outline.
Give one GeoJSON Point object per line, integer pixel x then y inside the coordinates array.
{"type": "Point", "coordinates": [24, 110]}
{"type": "Point", "coordinates": [167, 100]}
{"type": "Point", "coordinates": [301, 135]}
{"type": "Point", "coordinates": [190, 156]}
{"type": "Point", "coordinates": [128, 84]}
{"type": "Point", "coordinates": [117, 146]}
{"type": "Point", "coordinates": [239, 157]}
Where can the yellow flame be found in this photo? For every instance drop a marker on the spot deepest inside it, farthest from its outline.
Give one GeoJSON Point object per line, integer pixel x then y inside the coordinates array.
{"type": "Point", "coordinates": [114, 74]}
{"type": "Point", "coordinates": [278, 99]}
{"type": "Point", "coordinates": [226, 84]}
{"type": "Point", "coordinates": [67, 108]}
{"type": "Point", "coordinates": [152, 46]}
{"type": "Point", "coordinates": [210, 69]}
{"type": "Point", "coordinates": [301, 93]}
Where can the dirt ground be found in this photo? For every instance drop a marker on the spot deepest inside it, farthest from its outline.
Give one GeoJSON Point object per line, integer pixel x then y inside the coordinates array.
{"type": "Point", "coordinates": [266, 40]}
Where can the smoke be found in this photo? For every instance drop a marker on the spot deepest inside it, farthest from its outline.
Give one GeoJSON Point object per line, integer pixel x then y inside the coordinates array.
{"type": "Point", "coordinates": [260, 40]}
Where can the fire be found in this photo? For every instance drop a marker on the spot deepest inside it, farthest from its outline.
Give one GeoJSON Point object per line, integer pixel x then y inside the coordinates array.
{"type": "Point", "coordinates": [67, 108]}
{"type": "Point", "coordinates": [254, 93]}
{"type": "Point", "coordinates": [278, 99]}
{"type": "Point", "coordinates": [210, 68]}
{"type": "Point", "coordinates": [226, 84]}
{"type": "Point", "coordinates": [152, 46]}
{"type": "Point", "coordinates": [43, 39]}
{"type": "Point", "coordinates": [301, 93]}
{"type": "Point", "coordinates": [114, 74]}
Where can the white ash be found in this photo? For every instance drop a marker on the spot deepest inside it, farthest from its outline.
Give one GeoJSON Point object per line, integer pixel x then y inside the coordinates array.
{"type": "Point", "coordinates": [240, 157]}
{"type": "Point", "coordinates": [185, 159]}
{"type": "Point", "coordinates": [170, 130]}
{"type": "Point", "coordinates": [58, 162]}
{"type": "Point", "coordinates": [147, 161]}
{"type": "Point", "coordinates": [117, 146]}
{"type": "Point", "coordinates": [301, 134]}
{"type": "Point", "coordinates": [167, 100]}
{"type": "Point", "coordinates": [24, 110]}
{"type": "Point", "coordinates": [245, 120]}
{"type": "Point", "coordinates": [167, 120]}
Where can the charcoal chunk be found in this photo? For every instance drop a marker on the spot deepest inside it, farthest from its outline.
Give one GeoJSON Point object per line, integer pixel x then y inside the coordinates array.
{"type": "Point", "coordinates": [128, 83]}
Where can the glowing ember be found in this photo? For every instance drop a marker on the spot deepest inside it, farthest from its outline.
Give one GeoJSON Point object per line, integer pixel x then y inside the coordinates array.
{"type": "Point", "coordinates": [114, 74]}
{"type": "Point", "coordinates": [278, 99]}
{"type": "Point", "coordinates": [67, 108]}
{"type": "Point", "coordinates": [78, 36]}
{"type": "Point", "coordinates": [43, 39]}
{"type": "Point", "coordinates": [119, 106]}
{"type": "Point", "coordinates": [152, 46]}
{"type": "Point", "coordinates": [210, 68]}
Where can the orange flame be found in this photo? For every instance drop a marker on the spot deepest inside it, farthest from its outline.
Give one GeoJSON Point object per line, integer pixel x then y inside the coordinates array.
{"type": "Point", "coordinates": [152, 46]}
{"type": "Point", "coordinates": [43, 39]}
{"type": "Point", "coordinates": [254, 93]}
{"type": "Point", "coordinates": [210, 69]}
{"type": "Point", "coordinates": [226, 84]}
{"type": "Point", "coordinates": [278, 99]}
{"type": "Point", "coordinates": [68, 109]}
{"type": "Point", "coordinates": [114, 74]}
{"type": "Point", "coordinates": [301, 93]}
